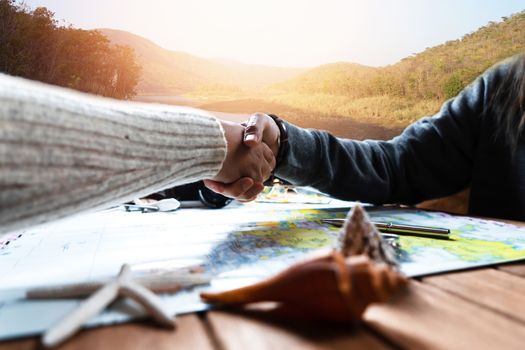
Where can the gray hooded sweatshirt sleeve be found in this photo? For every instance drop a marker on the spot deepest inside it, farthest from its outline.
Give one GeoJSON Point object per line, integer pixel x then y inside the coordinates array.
{"type": "Point", "coordinates": [434, 157]}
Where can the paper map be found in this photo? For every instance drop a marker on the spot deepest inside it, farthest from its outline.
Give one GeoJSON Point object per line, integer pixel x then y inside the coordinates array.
{"type": "Point", "coordinates": [236, 245]}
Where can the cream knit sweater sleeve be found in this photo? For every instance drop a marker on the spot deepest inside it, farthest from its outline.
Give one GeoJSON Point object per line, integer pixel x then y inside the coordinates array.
{"type": "Point", "coordinates": [63, 152]}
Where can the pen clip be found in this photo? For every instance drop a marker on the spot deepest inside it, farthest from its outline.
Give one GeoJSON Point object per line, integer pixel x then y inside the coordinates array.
{"type": "Point", "coordinates": [141, 208]}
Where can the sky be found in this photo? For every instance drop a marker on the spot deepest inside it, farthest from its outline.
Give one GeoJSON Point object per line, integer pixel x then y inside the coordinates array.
{"type": "Point", "coordinates": [293, 33]}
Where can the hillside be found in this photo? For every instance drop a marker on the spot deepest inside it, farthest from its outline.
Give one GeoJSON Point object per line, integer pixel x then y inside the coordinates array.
{"type": "Point", "coordinates": [391, 96]}
{"type": "Point", "coordinates": [329, 78]}
{"type": "Point", "coordinates": [172, 72]}
{"type": "Point", "coordinates": [398, 94]}
{"type": "Point", "coordinates": [438, 73]}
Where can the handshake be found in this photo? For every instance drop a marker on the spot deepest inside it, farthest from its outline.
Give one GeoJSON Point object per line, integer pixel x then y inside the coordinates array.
{"type": "Point", "coordinates": [252, 150]}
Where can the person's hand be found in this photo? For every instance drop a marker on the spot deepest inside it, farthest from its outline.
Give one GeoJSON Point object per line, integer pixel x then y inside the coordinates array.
{"type": "Point", "coordinates": [250, 165]}
{"type": "Point", "coordinates": [244, 189]}
{"type": "Point", "coordinates": [260, 129]}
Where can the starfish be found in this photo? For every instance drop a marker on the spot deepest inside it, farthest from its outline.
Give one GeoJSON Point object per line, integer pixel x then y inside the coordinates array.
{"type": "Point", "coordinates": [122, 286]}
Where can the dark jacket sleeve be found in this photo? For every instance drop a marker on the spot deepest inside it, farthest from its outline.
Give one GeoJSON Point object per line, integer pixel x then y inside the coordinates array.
{"type": "Point", "coordinates": [431, 158]}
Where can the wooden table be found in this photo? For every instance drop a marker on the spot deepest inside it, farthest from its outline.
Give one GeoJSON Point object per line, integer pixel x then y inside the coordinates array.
{"type": "Point", "coordinates": [478, 309]}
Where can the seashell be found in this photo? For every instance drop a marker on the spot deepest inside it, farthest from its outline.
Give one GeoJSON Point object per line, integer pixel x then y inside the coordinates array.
{"type": "Point", "coordinates": [337, 286]}
{"type": "Point", "coordinates": [360, 236]}
{"type": "Point", "coordinates": [329, 287]}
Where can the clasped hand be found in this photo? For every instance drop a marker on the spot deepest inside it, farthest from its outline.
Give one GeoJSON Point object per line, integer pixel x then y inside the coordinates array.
{"type": "Point", "coordinates": [250, 158]}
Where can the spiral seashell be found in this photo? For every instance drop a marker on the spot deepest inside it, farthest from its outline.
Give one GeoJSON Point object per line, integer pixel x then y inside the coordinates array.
{"type": "Point", "coordinates": [329, 287]}
{"type": "Point", "coordinates": [360, 236]}
{"type": "Point", "coordinates": [337, 286]}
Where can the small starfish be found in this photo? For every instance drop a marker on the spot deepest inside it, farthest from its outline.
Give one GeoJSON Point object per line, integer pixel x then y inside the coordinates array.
{"type": "Point", "coordinates": [123, 286]}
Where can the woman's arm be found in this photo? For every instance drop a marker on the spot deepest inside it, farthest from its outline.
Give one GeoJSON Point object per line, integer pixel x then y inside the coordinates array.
{"type": "Point", "coordinates": [62, 152]}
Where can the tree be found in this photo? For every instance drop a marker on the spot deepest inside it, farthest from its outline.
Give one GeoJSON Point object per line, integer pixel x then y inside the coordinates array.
{"type": "Point", "coordinates": [34, 46]}
{"type": "Point", "coordinates": [8, 13]}
{"type": "Point", "coordinates": [452, 86]}
{"type": "Point", "coordinates": [126, 72]}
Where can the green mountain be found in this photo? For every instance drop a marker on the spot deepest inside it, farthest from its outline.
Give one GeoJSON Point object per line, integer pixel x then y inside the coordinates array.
{"type": "Point", "coordinates": [173, 72]}
{"type": "Point", "coordinates": [436, 73]}
{"type": "Point", "coordinates": [332, 78]}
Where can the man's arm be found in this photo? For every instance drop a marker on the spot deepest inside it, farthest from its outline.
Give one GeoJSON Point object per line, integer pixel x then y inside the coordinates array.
{"type": "Point", "coordinates": [431, 158]}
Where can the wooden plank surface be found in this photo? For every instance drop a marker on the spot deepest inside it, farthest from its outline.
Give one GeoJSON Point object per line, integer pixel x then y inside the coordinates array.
{"type": "Point", "coordinates": [435, 313]}
{"type": "Point", "coordinates": [427, 317]}
{"type": "Point", "coordinates": [259, 331]}
{"type": "Point", "coordinates": [190, 334]}
{"type": "Point", "coordinates": [490, 288]}
{"type": "Point", "coordinates": [24, 344]}
{"type": "Point", "coordinates": [515, 269]}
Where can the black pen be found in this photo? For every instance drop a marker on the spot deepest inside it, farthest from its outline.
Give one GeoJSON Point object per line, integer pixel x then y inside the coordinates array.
{"type": "Point", "coordinates": [401, 229]}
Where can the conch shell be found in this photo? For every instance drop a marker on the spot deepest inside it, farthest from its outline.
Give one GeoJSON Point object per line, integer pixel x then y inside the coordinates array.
{"type": "Point", "coordinates": [337, 286]}
{"type": "Point", "coordinates": [360, 236]}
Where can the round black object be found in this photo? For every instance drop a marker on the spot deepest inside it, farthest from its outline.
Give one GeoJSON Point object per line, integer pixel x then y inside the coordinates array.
{"type": "Point", "coordinates": [192, 192]}
{"type": "Point", "coordinates": [212, 199]}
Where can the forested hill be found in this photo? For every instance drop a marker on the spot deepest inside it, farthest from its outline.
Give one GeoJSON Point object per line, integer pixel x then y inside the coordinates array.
{"type": "Point", "coordinates": [35, 45]}
{"type": "Point", "coordinates": [436, 73]}
{"type": "Point", "coordinates": [174, 72]}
